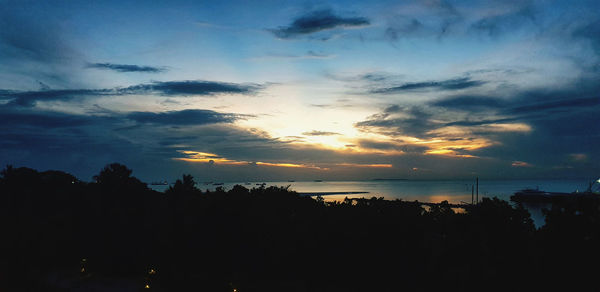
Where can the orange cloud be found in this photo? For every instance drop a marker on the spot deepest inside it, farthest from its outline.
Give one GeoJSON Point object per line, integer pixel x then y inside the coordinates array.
{"type": "Point", "coordinates": [204, 157]}
{"type": "Point", "coordinates": [375, 165]}
{"type": "Point", "coordinates": [521, 164]}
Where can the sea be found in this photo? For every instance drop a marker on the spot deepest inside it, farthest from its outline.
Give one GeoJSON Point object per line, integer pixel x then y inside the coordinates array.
{"type": "Point", "coordinates": [433, 191]}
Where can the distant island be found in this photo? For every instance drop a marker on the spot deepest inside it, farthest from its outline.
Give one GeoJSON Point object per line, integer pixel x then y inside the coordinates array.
{"type": "Point", "coordinates": [379, 179]}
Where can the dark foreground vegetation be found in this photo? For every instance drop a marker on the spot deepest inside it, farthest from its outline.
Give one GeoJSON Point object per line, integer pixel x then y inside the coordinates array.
{"type": "Point", "coordinates": [115, 234]}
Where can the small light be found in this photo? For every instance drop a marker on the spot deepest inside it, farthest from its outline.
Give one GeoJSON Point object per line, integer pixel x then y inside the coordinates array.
{"type": "Point", "coordinates": [147, 286]}
{"type": "Point", "coordinates": [84, 260]}
{"type": "Point", "coordinates": [152, 272]}
{"type": "Point", "coordinates": [83, 270]}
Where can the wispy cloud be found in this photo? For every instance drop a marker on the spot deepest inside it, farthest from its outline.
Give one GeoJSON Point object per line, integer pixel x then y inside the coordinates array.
{"type": "Point", "coordinates": [520, 164]}
{"type": "Point", "coordinates": [29, 98]}
{"type": "Point", "coordinates": [309, 55]}
{"type": "Point", "coordinates": [469, 102]}
{"type": "Point", "coordinates": [320, 133]}
{"type": "Point", "coordinates": [450, 84]}
{"type": "Point", "coordinates": [34, 39]}
{"type": "Point", "coordinates": [500, 23]}
{"type": "Point", "coordinates": [126, 68]}
{"type": "Point", "coordinates": [430, 18]}
{"type": "Point", "coordinates": [317, 21]}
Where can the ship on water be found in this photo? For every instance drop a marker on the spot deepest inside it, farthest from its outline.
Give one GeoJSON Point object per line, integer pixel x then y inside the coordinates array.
{"type": "Point", "coordinates": [536, 195]}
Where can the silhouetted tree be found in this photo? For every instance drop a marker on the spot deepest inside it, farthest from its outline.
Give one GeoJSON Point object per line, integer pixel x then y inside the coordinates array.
{"type": "Point", "coordinates": [273, 239]}
{"type": "Point", "coordinates": [186, 185]}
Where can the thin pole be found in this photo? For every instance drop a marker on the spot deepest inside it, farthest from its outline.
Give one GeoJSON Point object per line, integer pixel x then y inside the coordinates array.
{"type": "Point", "coordinates": [472, 194]}
{"type": "Point", "coordinates": [477, 182]}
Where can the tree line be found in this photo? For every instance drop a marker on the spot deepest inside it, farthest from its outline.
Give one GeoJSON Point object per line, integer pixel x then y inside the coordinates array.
{"type": "Point", "coordinates": [115, 234]}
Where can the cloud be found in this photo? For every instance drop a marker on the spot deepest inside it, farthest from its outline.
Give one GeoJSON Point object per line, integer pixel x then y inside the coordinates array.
{"type": "Point", "coordinates": [309, 55]}
{"type": "Point", "coordinates": [168, 88]}
{"type": "Point", "coordinates": [320, 133]}
{"type": "Point", "coordinates": [191, 87]}
{"type": "Point", "coordinates": [25, 36]}
{"type": "Point", "coordinates": [469, 102]}
{"type": "Point", "coordinates": [403, 26]}
{"type": "Point", "coordinates": [397, 121]}
{"type": "Point", "coordinates": [500, 23]}
{"type": "Point", "coordinates": [379, 145]}
{"type": "Point", "coordinates": [41, 119]}
{"type": "Point", "coordinates": [483, 122]}
{"type": "Point", "coordinates": [450, 84]}
{"type": "Point", "coordinates": [317, 21]}
{"type": "Point", "coordinates": [183, 117]}
{"type": "Point", "coordinates": [560, 121]}
{"type": "Point", "coordinates": [29, 98]}
{"type": "Point", "coordinates": [430, 18]}
{"type": "Point", "coordinates": [591, 32]}
{"type": "Point", "coordinates": [126, 68]}
{"type": "Point", "coordinates": [560, 104]}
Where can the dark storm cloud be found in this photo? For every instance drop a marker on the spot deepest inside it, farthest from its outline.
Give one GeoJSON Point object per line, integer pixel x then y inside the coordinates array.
{"type": "Point", "coordinates": [126, 68]}
{"type": "Point", "coordinates": [317, 21]}
{"type": "Point", "coordinates": [184, 117]}
{"type": "Point", "coordinates": [320, 133]}
{"type": "Point", "coordinates": [191, 87]}
{"type": "Point", "coordinates": [450, 84]}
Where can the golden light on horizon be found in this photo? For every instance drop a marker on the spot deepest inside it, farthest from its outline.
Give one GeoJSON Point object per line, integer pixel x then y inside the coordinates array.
{"type": "Point", "coordinates": [211, 158]}
{"type": "Point", "coordinates": [293, 165]}
{"type": "Point", "coordinates": [204, 157]}
{"type": "Point", "coordinates": [451, 141]}
{"type": "Point", "coordinates": [375, 165]}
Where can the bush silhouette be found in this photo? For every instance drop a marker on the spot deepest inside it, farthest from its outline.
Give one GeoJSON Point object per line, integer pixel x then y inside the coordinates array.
{"type": "Point", "coordinates": [273, 239]}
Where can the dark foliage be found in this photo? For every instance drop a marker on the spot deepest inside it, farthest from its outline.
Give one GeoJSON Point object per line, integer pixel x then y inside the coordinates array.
{"type": "Point", "coordinates": [115, 234]}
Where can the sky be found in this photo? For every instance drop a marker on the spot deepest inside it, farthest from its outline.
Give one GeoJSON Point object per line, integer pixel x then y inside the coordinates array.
{"type": "Point", "coordinates": [301, 90]}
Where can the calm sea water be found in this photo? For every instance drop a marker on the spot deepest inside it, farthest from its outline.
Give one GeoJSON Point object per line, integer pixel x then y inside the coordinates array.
{"type": "Point", "coordinates": [453, 191]}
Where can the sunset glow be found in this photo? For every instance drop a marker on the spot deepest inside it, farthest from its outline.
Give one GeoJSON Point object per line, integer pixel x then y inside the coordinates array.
{"type": "Point", "coordinates": [350, 90]}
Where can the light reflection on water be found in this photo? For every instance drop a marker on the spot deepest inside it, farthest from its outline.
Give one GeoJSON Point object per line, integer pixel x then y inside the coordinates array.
{"type": "Point", "coordinates": [454, 191]}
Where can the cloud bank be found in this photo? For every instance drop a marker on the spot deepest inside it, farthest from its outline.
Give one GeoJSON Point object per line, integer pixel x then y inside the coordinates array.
{"type": "Point", "coordinates": [317, 21]}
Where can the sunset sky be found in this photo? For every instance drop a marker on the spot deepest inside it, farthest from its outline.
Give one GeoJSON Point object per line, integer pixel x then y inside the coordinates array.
{"type": "Point", "coordinates": [281, 90]}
